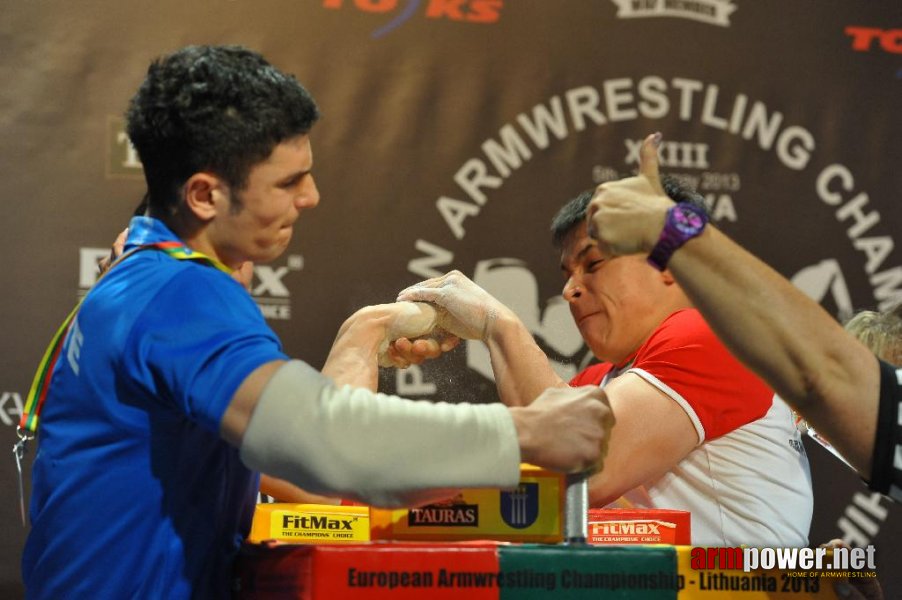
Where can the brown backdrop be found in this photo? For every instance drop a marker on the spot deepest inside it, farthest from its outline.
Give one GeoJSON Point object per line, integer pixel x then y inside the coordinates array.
{"type": "Point", "coordinates": [452, 131]}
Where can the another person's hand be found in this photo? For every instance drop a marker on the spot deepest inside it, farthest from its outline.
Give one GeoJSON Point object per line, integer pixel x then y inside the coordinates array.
{"type": "Point", "coordinates": [465, 309]}
{"type": "Point", "coordinates": [856, 588]}
{"type": "Point", "coordinates": [412, 334]}
{"type": "Point", "coordinates": [627, 216]}
{"type": "Point", "coordinates": [285, 491]}
{"type": "Point", "coordinates": [244, 274]}
{"type": "Point", "coordinates": [403, 352]}
{"type": "Point", "coordinates": [104, 264]}
{"type": "Point", "coordinates": [565, 429]}
{"type": "Point", "coordinates": [368, 334]}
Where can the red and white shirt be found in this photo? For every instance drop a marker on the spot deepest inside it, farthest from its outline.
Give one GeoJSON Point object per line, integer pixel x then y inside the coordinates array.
{"type": "Point", "coordinates": [747, 481]}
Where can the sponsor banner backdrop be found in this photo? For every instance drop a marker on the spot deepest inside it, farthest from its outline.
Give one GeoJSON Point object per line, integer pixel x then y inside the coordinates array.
{"type": "Point", "coordinates": [452, 130]}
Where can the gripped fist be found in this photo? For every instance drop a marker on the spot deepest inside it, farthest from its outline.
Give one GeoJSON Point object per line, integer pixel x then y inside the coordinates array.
{"type": "Point", "coordinates": [626, 216]}
{"type": "Point", "coordinates": [465, 309]}
{"type": "Point", "coordinates": [403, 352]}
{"type": "Point", "coordinates": [565, 429]}
{"type": "Point", "coordinates": [412, 335]}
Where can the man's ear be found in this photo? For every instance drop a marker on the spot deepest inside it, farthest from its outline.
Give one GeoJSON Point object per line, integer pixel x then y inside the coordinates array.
{"type": "Point", "coordinates": [203, 193]}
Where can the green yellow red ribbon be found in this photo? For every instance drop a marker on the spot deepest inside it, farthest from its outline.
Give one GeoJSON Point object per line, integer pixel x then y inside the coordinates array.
{"type": "Point", "coordinates": [34, 403]}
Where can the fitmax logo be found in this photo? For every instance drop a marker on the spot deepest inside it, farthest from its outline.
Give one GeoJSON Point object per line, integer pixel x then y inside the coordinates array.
{"type": "Point", "coordinates": [267, 287]}
{"type": "Point", "coordinates": [462, 11]}
{"type": "Point", "coordinates": [626, 528]}
{"type": "Point", "coordinates": [293, 521]}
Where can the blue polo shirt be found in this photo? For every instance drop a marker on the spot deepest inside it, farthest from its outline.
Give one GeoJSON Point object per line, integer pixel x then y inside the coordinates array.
{"type": "Point", "coordinates": [134, 493]}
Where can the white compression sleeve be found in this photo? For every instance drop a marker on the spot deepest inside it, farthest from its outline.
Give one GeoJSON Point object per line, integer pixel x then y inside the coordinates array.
{"type": "Point", "coordinates": [378, 448]}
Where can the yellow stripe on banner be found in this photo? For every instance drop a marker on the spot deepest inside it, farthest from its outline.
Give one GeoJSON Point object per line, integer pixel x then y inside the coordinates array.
{"type": "Point", "coordinates": [758, 584]}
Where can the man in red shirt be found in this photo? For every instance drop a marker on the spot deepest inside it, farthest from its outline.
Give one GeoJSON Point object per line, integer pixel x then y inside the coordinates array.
{"type": "Point", "coordinates": [832, 379]}
{"type": "Point", "coordinates": [695, 429]}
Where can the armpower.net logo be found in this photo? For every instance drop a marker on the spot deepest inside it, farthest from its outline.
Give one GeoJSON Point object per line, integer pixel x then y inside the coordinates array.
{"type": "Point", "coordinates": [835, 562]}
{"type": "Point", "coordinates": [787, 570]}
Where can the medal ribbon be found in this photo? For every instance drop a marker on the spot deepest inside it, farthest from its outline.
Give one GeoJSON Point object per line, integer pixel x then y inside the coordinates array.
{"type": "Point", "coordinates": [28, 424]}
{"type": "Point", "coordinates": [34, 403]}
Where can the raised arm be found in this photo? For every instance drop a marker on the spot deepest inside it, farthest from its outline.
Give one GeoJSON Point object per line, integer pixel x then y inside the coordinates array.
{"type": "Point", "coordinates": [780, 333]}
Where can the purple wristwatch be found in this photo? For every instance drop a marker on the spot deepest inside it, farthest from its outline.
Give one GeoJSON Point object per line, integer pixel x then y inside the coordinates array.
{"type": "Point", "coordinates": [683, 222]}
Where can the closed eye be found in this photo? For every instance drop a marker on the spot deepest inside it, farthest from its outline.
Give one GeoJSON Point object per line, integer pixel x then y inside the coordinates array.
{"type": "Point", "coordinates": [594, 264]}
{"type": "Point", "coordinates": [292, 181]}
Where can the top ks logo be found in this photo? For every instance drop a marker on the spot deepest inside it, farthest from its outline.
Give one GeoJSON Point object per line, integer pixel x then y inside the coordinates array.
{"type": "Point", "coordinates": [465, 11]}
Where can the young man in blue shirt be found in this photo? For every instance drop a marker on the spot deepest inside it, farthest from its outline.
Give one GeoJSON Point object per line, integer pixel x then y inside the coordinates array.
{"type": "Point", "coordinates": [171, 393]}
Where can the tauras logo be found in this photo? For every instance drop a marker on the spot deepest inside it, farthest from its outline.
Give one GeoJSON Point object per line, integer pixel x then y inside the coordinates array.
{"type": "Point", "coordinates": [629, 527]}
{"type": "Point", "coordinates": [314, 522]}
{"type": "Point", "coordinates": [713, 12]}
{"type": "Point", "coordinates": [453, 515]}
{"type": "Point", "coordinates": [520, 507]}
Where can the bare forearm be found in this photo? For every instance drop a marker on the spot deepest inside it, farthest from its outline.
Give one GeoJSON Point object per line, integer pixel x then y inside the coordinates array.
{"type": "Point", "coordinates": [284, 491]}
{"type": "Point", "coordinates": [353, 359]}
{"type": "Point", "coordinates": [785, 337]}
{"type": "Point", "coordinates": [521, 369]}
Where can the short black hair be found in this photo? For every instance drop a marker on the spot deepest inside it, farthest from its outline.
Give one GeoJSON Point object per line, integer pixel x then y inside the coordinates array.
{"type": "Point", "coordinates": [216, 108]}
{"type": "Point", "coordinates": [574, 211]}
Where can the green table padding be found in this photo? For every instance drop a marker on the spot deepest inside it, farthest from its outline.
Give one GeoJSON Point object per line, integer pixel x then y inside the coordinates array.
{"type": "Point", "coordinates": [634, 573]}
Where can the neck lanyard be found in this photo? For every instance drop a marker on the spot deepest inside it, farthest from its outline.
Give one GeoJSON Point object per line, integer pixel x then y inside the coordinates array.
{"type": "Point", "coordinates": [34, 403]}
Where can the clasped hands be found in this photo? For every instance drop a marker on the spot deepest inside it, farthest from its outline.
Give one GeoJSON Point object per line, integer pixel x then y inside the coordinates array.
{"type": "Point", "coordinates": [431, 317]}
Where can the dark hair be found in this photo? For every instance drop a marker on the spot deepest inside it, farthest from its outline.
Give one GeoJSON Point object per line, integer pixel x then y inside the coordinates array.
{"type": "Point", "coordinates": [216, 108]}
{"type": "Point", "coordinates": [574, 211]}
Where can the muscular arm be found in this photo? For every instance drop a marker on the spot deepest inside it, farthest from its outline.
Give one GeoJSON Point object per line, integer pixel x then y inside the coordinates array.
{"type": "Point", "coordinates": [363, 337]}
{"type": "Point", "coordinates": [780, 333]}
{"type": "Point", "coordinates": [284, 491]}
{"type": "Point", "coordinates": [653, 434]}
{"type": "Point", "coordinates": [352, 359]}
{"type": "Point", "coordinates": [349, 362]}
{"type": "Point", "coordinates": [521, 369]}
{"type": "Point", "coordinates": [294, 423]}
{"type": "Point", "coordinates": [787, 338]}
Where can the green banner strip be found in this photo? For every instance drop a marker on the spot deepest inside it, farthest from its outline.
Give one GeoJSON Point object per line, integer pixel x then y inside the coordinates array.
{"type": "Point", "coordinates": [574, 572]}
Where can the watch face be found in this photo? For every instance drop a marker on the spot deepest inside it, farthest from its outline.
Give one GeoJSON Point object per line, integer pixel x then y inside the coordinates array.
{"type": "Point", "coordinates": [686, 220]}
